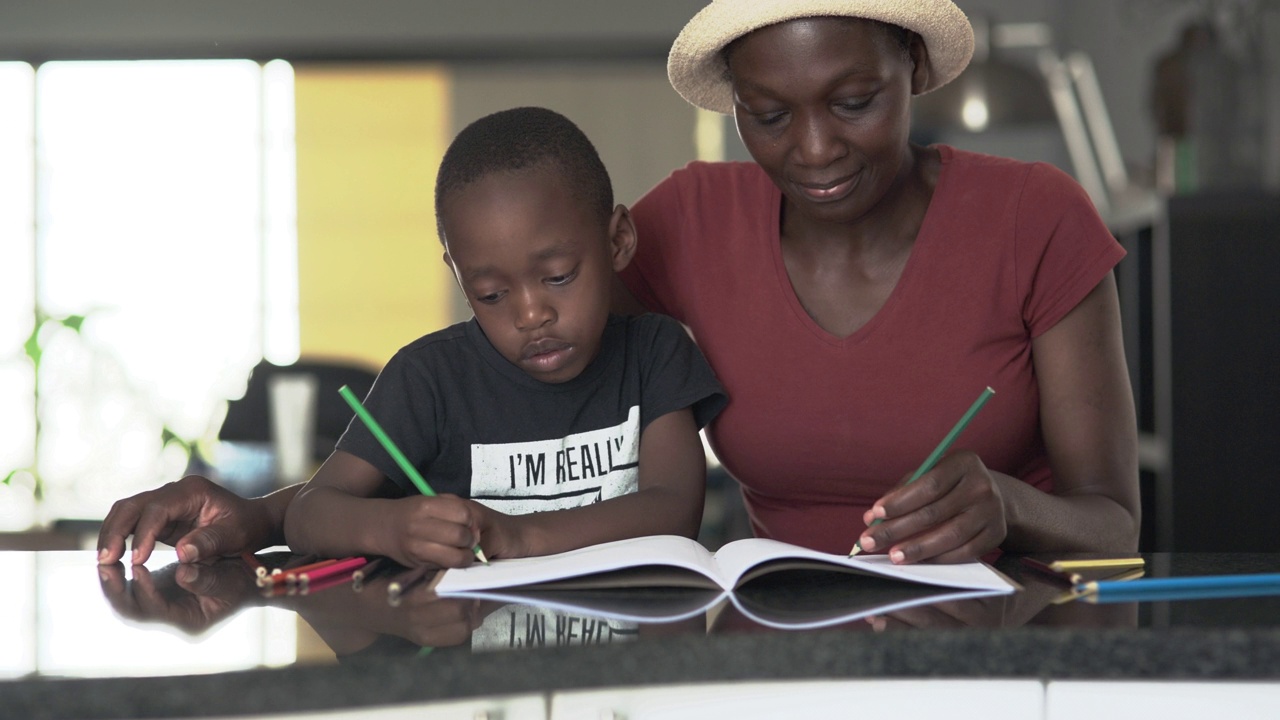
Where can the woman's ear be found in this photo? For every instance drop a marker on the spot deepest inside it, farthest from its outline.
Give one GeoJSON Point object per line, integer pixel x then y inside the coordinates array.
{"type": "Point", "coordinates": [622, 238]}
{"type": "Point", "coordinates": [919, 53]}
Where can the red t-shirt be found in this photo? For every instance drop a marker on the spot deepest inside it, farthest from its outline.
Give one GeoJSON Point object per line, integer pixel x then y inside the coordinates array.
{"type": "Point", "coordinates": [817, 426]}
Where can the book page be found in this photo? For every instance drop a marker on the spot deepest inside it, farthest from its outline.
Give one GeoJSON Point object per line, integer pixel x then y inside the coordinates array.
{"type": "Point", "coordinates": [740, 560]}
{"type": "Point", "coordinates": [671, 551]}
{"type": "Point", "coordinates": [628, 605]}
{"type": "Point", "coordinates": [889, 597]}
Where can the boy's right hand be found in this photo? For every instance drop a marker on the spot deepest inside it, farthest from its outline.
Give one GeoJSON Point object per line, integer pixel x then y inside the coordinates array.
{"type": "Point", "coordinates": [439, 531]}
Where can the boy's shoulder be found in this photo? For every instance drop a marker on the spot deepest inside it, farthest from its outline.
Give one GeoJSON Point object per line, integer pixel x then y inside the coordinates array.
{"type": "Point", "coordinates": [647, 325]}
{"type": "Point", "coordinates": [448, 343]}
{"type": "Point", "coordinates": [444, 336]}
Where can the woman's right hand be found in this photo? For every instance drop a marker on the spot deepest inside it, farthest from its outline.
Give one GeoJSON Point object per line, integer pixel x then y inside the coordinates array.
{"type": "Point", "coordinates": [198, 517]}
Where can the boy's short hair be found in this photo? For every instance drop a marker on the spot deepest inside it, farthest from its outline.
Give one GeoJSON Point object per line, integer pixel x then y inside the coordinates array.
{"type": "Point", "coordinates": [521, 138]}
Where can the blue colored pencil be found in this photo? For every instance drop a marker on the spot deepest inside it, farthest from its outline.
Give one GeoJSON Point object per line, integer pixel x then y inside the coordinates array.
{"type": "Point", "coordinates": [1182, 588]}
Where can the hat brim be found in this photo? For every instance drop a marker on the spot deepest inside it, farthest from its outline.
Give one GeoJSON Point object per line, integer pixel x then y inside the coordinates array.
{"type": "Point", "coordinates": [696, 67]}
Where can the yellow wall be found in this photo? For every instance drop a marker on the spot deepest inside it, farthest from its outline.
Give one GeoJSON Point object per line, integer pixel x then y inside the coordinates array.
{"type": "Point", "coordinates": [369, 140]}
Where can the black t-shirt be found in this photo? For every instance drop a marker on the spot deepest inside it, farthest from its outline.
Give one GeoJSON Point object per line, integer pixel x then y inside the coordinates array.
{"type": "Point", "coordinates": [477, 426]}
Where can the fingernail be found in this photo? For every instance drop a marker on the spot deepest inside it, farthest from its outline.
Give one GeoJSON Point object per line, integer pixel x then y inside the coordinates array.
{"type": "Point", "coordinates": [188, 553]}
{"type": "Point", "coordinates": [897, 556]}
{"type": "Point", "coordinates": [103, 576]}
{"type": "Point", "coordinates": [868, 543]}
{"type": "Point", "coordinates": [878, 512]}
{"type": "Point", "coordinates": [133, 557]}
{"type": "Point", "coordinates": [102, 556]}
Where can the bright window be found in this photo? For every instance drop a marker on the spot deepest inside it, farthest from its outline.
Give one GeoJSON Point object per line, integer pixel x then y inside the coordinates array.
{"type": "Point", "coordinates": [155, 199]}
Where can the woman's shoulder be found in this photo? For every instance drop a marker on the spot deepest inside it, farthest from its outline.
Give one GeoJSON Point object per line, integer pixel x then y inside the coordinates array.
{"type": "Point", "coordinates": [966, 167]}
{"type": "Point", "coordinates": [726, 178]}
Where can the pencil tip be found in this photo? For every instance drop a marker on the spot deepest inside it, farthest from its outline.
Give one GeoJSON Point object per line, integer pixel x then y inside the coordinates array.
{"type": "Point", "coordinates": [480, 555]}
{"type": "Point", "coordinates": [856, 549]}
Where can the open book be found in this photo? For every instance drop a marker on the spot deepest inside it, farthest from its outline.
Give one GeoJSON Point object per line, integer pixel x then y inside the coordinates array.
{"type": "Point", "coordinates": [669, 561]}
{"type": "Point", "coordinates": [786, 611]}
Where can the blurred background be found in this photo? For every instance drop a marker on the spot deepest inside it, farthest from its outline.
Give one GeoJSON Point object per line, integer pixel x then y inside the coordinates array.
{"type": "Point", "coordinates": [214, 213]}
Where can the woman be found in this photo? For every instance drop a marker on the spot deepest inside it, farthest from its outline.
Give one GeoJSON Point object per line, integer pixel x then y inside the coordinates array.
{"type": "Point", "coordinates": [854, 293]}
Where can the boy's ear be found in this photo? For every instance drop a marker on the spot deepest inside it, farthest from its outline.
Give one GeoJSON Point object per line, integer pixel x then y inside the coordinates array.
{"type": "Point", "coordinates": [622, 238]}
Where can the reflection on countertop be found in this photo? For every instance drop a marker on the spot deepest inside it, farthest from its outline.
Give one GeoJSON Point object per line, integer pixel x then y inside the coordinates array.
{"type": "Point", "coordinates": [121, 633]}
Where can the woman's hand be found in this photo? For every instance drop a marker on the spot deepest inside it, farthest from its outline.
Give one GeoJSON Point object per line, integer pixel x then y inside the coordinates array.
{"type": "Point", "coordinates": [200, 518]}
{"type": "Point", "coordinates": [953, 513]}
{"type": "Point", "coordinates": [186, 596]}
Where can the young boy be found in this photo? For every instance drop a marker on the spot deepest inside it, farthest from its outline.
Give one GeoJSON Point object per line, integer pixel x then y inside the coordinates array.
{"type": "Point", "coordinates": [544, 423]}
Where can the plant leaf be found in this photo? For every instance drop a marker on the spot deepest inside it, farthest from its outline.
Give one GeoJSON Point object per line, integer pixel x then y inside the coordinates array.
{"type": "Point", "coordinates": [73, 321]}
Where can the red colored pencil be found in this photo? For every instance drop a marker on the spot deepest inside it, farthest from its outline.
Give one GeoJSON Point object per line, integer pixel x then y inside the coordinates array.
{"type": "Point", "coordinates": [258, 568]}
{"type": "Point", "coordinates": [289, 576]}
{"type": "Point", "coordinates": [334, 568]}
{"type": "Point", "coordinates": [341, 578]}
{"type": "Point", "coordinates": [308, 567]}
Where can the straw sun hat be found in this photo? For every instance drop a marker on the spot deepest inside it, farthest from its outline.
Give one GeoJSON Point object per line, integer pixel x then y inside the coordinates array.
{"type": "Point", "coordinates": [697, 70]}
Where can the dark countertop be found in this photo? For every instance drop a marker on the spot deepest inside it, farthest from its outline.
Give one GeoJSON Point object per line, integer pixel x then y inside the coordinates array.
{"type": "Point", "coordinates": [380, 660]}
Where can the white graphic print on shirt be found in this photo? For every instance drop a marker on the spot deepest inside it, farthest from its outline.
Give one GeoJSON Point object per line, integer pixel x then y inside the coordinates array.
{"type": "Point", "coordinates": [542, 475]}
{"type": "Point", "coordinates": [527, 626]}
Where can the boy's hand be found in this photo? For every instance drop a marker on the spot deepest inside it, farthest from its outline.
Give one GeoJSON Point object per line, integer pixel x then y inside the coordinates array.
{"type": "Point", "coordinates": [438, 531]}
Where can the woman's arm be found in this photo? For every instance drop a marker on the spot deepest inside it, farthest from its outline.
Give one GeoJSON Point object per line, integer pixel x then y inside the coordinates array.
{"type": "Point", "coordinates": [198, 517]}
{"type": "Point", "coordinates": [1091, 435]}
{"type": "Point", "coordinates": [961, 510]}
{"type": "Point", "coordinates": [672, 484]}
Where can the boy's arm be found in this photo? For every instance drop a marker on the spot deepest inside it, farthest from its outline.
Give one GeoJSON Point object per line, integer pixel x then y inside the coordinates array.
{"type": "Point", "coordinates": [672, 486]}
{"type": "Point", "coordinates": [350, 508]}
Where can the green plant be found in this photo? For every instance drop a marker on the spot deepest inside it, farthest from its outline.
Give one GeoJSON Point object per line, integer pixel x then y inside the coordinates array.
{"type": "Point", "coordinates": [34, 350]}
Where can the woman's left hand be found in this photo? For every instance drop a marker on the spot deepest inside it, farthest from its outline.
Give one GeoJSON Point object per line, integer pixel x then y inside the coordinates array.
{"type": "Point", "coordinates": [953, 513]}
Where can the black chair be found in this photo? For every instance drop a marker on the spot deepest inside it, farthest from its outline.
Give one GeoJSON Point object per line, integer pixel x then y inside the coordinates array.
{"type": "Point", "coordinates": [245, 459]}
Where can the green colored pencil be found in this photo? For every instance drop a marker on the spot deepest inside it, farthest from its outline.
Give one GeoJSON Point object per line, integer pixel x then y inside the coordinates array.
{"type": "Point", "coordinates": [395, 453]}
{"type": "Point", "coordinates": [937, 453]}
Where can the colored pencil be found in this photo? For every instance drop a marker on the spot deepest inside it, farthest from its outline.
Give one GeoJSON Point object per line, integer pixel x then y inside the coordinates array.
{"type": "Point", "coordinates": [1073, 572]}
{"type": "Point", "coordinates": [258, 568]}
{"type": "Point", "coordinates": [345, 565]}
{"type": "Point", "coordinates": [290, 575]}
{"type": "Point", "coordinates": [1182, 588]}
{"type": "Point", "coordinates": [307, 567]}
{"type": "Point", "coordinates": [403, 582]}
{"type": "Point", "coordinates": [1095, 564]}
{"type": "Point", "coordinates": [937, 453]}
{"type": "Point", "coordinates": [370, 568]}
{"type": "Point", "coordinates": [394, 450]}
{"type": "Point", "coordinates": [341, 578]}
{"type": "Point", "coordinates": [1075, 594]}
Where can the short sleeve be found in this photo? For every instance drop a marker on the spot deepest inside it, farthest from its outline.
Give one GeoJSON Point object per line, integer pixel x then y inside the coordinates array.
{"type": "Point", "coordinates": [1063, 247]}
{"type": "Point", "coordinates": [401, 402]}
{"type": "Point", "coordinates": [674, 373]}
